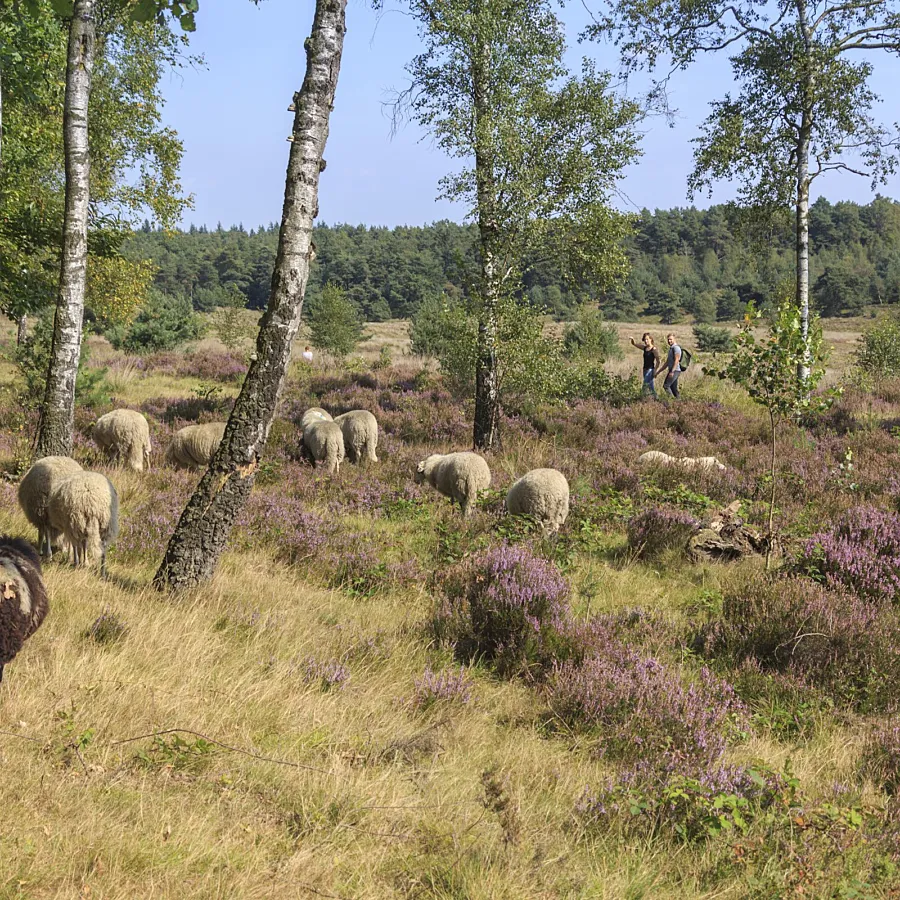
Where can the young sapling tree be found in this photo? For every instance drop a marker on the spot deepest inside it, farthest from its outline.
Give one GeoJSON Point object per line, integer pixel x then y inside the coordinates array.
{"type": "Point", "coordinates": [767, 368]}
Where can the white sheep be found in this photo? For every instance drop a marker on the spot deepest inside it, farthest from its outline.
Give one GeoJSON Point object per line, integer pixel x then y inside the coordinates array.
{"type": "Point", "coordinates": [542, 494]}
{"type": "Point", "coordinates": [459, 476]}
{"type": "Point", "coordinates": [314, 414]}
{"type": "Point", "coordinates": [360, 430]}
{"type": "Point", "coordinates": [655, 458]}
{"type": "Point", "coordinates": [124, 435]}
{"type": "Point", "coordinates": [85, 508]}
{"type": "Point", "coordinates": [194, 446]}
{"type": "Point", "coordinates": [34, 496]}
{"type": "Point", "coordinates": [689, 463]}
{"type": "Point", "coordinates": [23, 597]}
{"type": "Point", "coordinates": [706, 463]}
{"type": "Point", "coordinates": [325, 441]}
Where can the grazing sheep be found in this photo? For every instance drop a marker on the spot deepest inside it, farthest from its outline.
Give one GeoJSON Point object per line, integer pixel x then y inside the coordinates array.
{"type": "Point", "coordinates": [542, 494]}
{"type": "Point", "coordinates": [194, 446]}
{"type": "Point", "coordinates": [34, 496]}
{"type": "Point", "coordinates": [655, 458]}
{"type": "Point", "coordinates": [706, 463]}
{"type": "Point", "coordinates": [85, 508]}
{"type": "Point", "coordinates": [124, 435]}
{"type": "Point", "coordinates": [360, 430]}
{"type": "Point", "coordinates": [459, 476]}
{"type": "Point", "coordinates": [325, 442]}
{"type": "Point", "coordinates": [23, 597]}
{"type": "Point", "coordinates": [689, 463]}
{"type": "Point", "coordinates": [314, 414]}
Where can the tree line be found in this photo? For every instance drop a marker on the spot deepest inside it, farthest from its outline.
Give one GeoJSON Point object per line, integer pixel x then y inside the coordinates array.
{"type": "Point", "coordinates": [682, 262]}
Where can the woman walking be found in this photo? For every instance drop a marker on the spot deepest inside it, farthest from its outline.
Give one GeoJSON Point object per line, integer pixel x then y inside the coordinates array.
{"type": "Point", "coordinates": [651, 362]}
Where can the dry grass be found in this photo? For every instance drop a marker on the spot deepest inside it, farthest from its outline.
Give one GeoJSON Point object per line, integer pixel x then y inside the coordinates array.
{"type": "Point", "coordinates": [191, 758]}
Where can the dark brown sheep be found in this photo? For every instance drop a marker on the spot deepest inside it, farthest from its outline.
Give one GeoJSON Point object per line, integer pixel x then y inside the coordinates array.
{"type": "Point", "coordinates": [23, 597]}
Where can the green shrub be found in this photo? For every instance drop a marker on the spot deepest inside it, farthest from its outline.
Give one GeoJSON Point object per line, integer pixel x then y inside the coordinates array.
{"type": "Point", "coordinates": [165, 322]}
{"type": "Point", "coordinates": [713, 340]}
{"type": "Point", "coordinates": [334, 323]}
{"type": "Point", "coordinates": [589, 336]}
{"type": "Point", "coordinates": [878, 353]}
{"type": "Point", "coordinates": [32, 358]}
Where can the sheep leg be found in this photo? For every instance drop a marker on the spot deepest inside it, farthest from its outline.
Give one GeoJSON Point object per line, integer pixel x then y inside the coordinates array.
{"type": "Point", "coordinates": [1, 671]}
{"type": "Point", "coordinates": [103, 563]}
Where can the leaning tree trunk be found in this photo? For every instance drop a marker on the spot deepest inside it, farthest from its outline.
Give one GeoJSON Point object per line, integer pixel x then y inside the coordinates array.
{"type": "Point", "coordinates": [21, 329]}
{"type": "Point", "coordinates": [203, 528]}
{"type": "Point", "coordinates": [58, 411]}
{"type": "Point", "coordinates": [485, 431]}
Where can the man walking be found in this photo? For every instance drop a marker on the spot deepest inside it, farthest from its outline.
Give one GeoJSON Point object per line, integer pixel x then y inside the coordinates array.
{"type": "Point", "coordinates": [673, 365]}
{"type": "Point", "coordinates": [651, 362]}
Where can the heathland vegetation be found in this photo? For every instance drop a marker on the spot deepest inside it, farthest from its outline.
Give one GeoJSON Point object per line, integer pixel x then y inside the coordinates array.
{"type": "Point", "coordinates": [663, 665]}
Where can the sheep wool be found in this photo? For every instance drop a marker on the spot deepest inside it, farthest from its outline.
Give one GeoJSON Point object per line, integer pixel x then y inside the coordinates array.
{"type": "Point", "coordinates": [34, 496]}
{"type": "Point", "coordinates": [689, 463]}
{"type": "Point", "coordinates": [360, 430]}
{"type": "Point", "coordinates": [542, 494]}
{"type": "Point", "coordinates": [314, 414]}
{"type": "Point", "coordinates": [23, 597]}
{"type": "Point", "coordinates": [194, 446]}
{"type": "Point", "coordinates": [85, 508]}
{"type": "Point", "coordinates": [124, 436]}
{"type": "Point", "coordinates": [325, 441]}
{"type": "Point", "coordinates": [459, 476]}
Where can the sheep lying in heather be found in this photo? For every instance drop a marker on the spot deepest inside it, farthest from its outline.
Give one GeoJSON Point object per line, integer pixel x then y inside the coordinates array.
{"type": "Point", "coordinates": [314, 414]}
{"type": "Point", "coordinates": [459, 476]}
{"type": "Point", "coordinates": [34, 496]}
{"type": "Point", "coordinates": [542, 494]}
{"type": "Point", "coordinates": [23, 597]}
{"type": "Point", "coordinates": [325, 441]}
{"type": "Point", "coordinates": [194, 446]}
{"type": "Point", "coordinates": [85, 508]}
{"type": "Point", "coordinates": [124, 435]}
{"type": "Point", "coordinates": [657, 458]}
{"type": "Point", "coordinates": [360, 430]}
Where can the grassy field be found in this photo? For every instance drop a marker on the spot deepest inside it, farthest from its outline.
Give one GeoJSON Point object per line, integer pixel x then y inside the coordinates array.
{"type": "Point", "coordinates": [302, 726]}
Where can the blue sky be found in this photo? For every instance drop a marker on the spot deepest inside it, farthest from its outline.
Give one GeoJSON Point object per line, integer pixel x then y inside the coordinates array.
{"type": "Point", "coordinates": [233, 119]}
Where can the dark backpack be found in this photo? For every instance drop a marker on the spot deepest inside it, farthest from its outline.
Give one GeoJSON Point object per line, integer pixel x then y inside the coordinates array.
{"type": "Point", "coordinates": [685, 359]}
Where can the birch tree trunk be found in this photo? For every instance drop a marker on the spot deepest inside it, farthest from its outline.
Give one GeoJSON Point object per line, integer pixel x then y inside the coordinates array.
{"type": "Point", "coordinates": [487, 379]}
{"type": "Point", "coordinates": [802, 244]}
{"type": "Point", "coordinates": [202, 531]}
{"type": "Point", "coordinates": [21, 329]}
{"type": "Point", "coordinates": [804, 138]}
{"type": "Point", "coordinates": [58, 412]}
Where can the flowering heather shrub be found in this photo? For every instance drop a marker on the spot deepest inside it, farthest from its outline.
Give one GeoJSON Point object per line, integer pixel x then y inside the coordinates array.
{"type": "Point", "coordinates": [881, 756]}
{"type": "Point", "coordinates": [861, 552]}
{"type": "Point", "coordinates": [659, 529]}
{"type": "Point", "coordinates": [825, 637]}
{"type": "Point", "coordinates": [269, 518]}
{"type": "Point", "coordinates": [640, 708]}
{"type": "Point", "coordinates": [361, 571]}
{"type": "Point", "coordinates": [147, 525]}
{"type": "Point", "coordinates": [505, 605]}
{"type": "Point", "coordinates": [328, 674]}
{"type": "Point", "coordinates": [205, 364]}
{"type": "Point", "coordinates": [107, 628]}
{"type": "Point", "coordinates": [442, 687]}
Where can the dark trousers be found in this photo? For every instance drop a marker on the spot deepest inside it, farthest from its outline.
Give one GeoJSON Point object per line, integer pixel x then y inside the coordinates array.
{"type": "Point", "coordinates": [670, 385]}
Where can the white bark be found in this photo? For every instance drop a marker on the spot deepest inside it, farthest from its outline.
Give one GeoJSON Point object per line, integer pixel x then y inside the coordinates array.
{"type": "Point", "coordinates": [58, 413]}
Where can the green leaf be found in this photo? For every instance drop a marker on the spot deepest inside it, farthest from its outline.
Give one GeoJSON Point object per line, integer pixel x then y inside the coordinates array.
{"type": "Point", "coordinates": [61, 7]}
{"type": "Point", "coordinates": [144, 11]}
{"type": "Point", "coordinates": [187, 22]}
